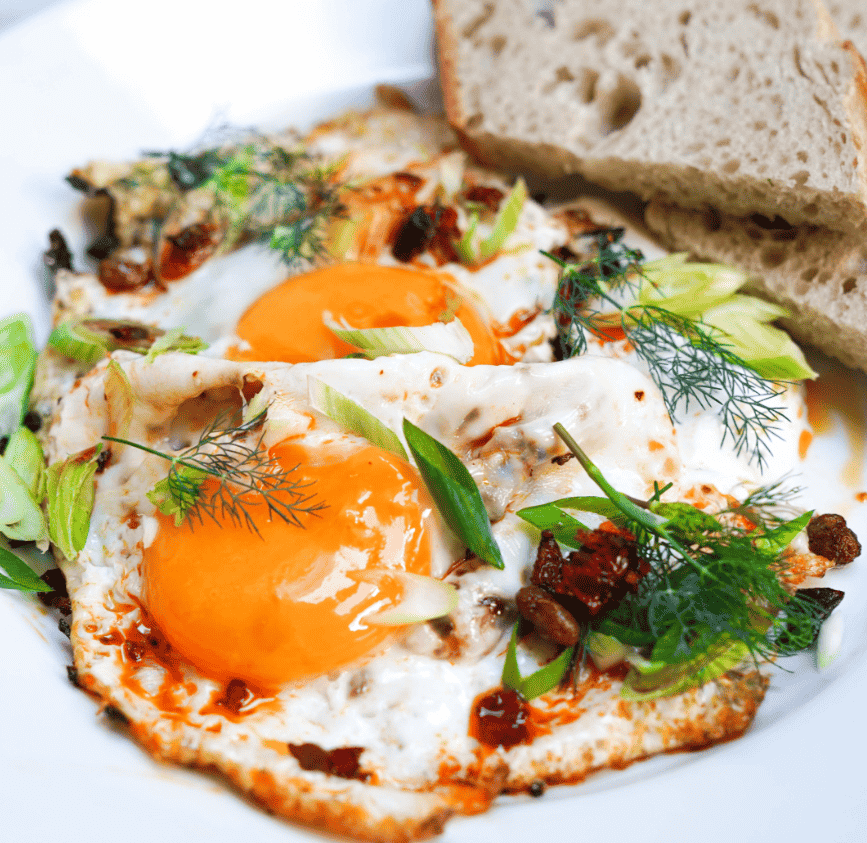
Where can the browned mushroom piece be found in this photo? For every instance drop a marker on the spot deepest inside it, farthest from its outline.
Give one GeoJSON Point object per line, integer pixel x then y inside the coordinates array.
{"type": "Point", "coordinates": [829, 536]}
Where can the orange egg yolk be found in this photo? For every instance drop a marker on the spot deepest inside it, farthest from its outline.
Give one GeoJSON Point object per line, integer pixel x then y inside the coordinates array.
{"type": "Point", "coordinates": [293, 603]}
{"type": "Point", "coordinates": [285, 324]}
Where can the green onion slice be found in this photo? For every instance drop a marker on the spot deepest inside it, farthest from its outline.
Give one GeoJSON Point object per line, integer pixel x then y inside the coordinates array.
{"type": "Point", "coordinates": [455, 493]}
{"type": "Point", "coordinates": [650, 680]}
{"type": "Point", "coordinates": [423, 599]}
{"type": "Point", "coordinates": [464, 246]}
{"type": "Point", "coordinates": [175, 340]}
{"type": "Point", "coordinates": [605, 650]}
{"type": "Point", "coordinates": [89, 340]}
{"type": "Point", "coordinates": [541, 681]}
{"type": "Point", "coordinates": [119, 397]}
{"type": "Point", "coordinates": [17, 363]}
{"type": "Point", "coordinates": [555, 517]}
{"type": "Point", "coordinates": [71, 491]}
{"type": "Point", "coordinates": [770, 351]}
{"type": "Point", "coordinates": [20, 516]}
{"type": "Point", "coordinates": [20, 576]}
{"type": "Point", "coordinates": [687, 288]}
{"type": "Point", "coordinates": [347, 413]}
{"type": "Point", "coordinates": [505, 222]}
{"type": "Point", "coordinates": [450, 338]}
{"type": "Point", "coordinates": [24, 454]}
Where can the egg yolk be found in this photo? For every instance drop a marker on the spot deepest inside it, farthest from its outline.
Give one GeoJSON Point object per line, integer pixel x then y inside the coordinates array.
{"type": "Point", "coordinates": [293, 603]}
{"type": "Point", "coordinates": [285, 324]}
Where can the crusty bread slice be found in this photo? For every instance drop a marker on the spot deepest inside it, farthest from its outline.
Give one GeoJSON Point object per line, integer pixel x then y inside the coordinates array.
{"type": "Point", "coordinates": [818, 274]}
{"type": "Point", "coordinates": [751, 106]}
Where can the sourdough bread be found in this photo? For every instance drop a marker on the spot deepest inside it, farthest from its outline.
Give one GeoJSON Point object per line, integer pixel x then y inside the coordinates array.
{"type": "Point", "coordinates": [750, 106]}
{"type": "Point", "coordinates": [820, 275]}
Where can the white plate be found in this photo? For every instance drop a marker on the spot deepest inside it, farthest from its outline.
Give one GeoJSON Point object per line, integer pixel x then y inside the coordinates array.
{"type": "Point", "coordinates": [98, 78]}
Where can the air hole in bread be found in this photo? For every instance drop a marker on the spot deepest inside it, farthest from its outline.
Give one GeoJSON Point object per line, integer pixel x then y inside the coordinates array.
{"type": "Point", "coordinates": [683, 18]}
{"type": "Point", "coordinates": [801, 177]}
{"type": "Point", "coordinates": [711, 220]}
{"type": "Point", "coordinates": [809, 274]}
{"type": "Point", "coordinates": [849, 285]}
{"type": "Point", "coordinates": [773, 256]}
{"type": "Point", "coordinates": [765, 16]}
{"type": "Point", "coordinates": [498, 42]}
{"type": "Point", "coordinates": [731, 166]}
{"type": "Point", "coordinates": [802, 156]}
{"type": "Point", "coordinates": [724, 142]}
{"type": "Point", "coordinates": [587, 85]}
{"type": "Point", "coordinates": [547, 14]}
{"type": "Point", "coordinates": [479, 21]}
{"type": "Point", "coordinates": [776, 223]}
{"type": "Point", "coordinates": [562, 74]}
{"type": "Point", "coordinates": [670, 67]}
{"type": "Point", "coordinates": [760, 125]}
{"type": "Point", "coordinates": [619, 105]}
{"type": "Point", "coordinates": [598, 27]}
{"type": "Point", "coordinates": [642, 61]}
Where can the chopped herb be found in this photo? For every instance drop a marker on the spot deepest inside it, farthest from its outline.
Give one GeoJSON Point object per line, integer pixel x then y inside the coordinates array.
{"type": "Point", "coordinates": [455, 493]}
{"type": "Point", "coordinates": [710, 581]}
{"type": "Point", "coordinates": [691, 362]}
{"type": "Point", "coordinates": [541, 681]}
{"type": "Point", "coordinates": [262, 190]}
{"type": "Point", "coordinates": [225, 475]}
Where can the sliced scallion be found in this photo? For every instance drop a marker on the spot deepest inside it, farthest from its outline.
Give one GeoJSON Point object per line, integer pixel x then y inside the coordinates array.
{"type": "Point", "coordinates": [347, 413]}
{"type": "Point", "coordinates": [770, 351]}
{"type": "Point", "coordinates": [17, 364]}
{"type": "Point", "coordinates": [541, 681]}
{"type": "Point", "coordinates": [505, 222]}
{"type": "Point", "coordinates": [455, 493]}
{"type": "Point", "coordinates": [71, 492]}
{"type": "Point", "coordinates": [422, 599]}
{"type": "Point", "coordinates": [24, 454]}
{"type": "Point", "coordinates": [450, 338]}
{"type": "Point", "coordinates": [20, 516]}
{"type": "Point", "coordinates": [18, 574]}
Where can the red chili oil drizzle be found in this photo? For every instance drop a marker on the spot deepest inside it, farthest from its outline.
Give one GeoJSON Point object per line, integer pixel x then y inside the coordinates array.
{"type": "Point", "coordinates": [500, 718]}
{"type": "Point", "coordinates": [188, 250]}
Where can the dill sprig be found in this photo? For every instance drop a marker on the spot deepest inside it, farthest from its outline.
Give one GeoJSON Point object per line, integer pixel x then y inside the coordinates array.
{"type": "Point", "coordinates": [710, 579]}
{"type": "Point", "coordinates": [258, 188]}
{"type": "Point", "coordinates": [226, 475]}
{"type": "Point", "coordinates": [687, 359]}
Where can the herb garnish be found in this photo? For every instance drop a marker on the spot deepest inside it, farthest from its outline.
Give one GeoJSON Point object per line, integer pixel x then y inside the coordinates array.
{"type": "Point", "coordinates": [690, 361]}
{"type": "Point", "coordinates": [713, 581]}
{"type": "Point", "coordinates": [257, 188]}
{"type": "Point", "coordinates": [455, 493]}
{"type": "Point", "coordinates": [225, 475]}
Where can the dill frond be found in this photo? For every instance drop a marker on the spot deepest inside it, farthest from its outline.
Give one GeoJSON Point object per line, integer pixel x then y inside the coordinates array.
{"type": "Point", "coordinates": [227, 476]}
{"type": "Point", "coordinates": [687, 359]}
{"type": "Point", "coordinates": [260, 189]}
{"type": "Point", "coordinates": [709, 578]}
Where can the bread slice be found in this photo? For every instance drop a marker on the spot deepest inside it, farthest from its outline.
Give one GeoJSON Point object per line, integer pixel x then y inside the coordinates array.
{"type": "Point", "coordinates": [750, 106]}
{"type": "Point", "coordinates": [820, 275]}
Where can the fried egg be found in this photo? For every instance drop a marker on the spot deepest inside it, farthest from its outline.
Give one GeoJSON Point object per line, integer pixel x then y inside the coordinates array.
{"type": "Point", "coordinates": [258, 652]}
{"type": "Point", "coordinates": [245, 303]}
